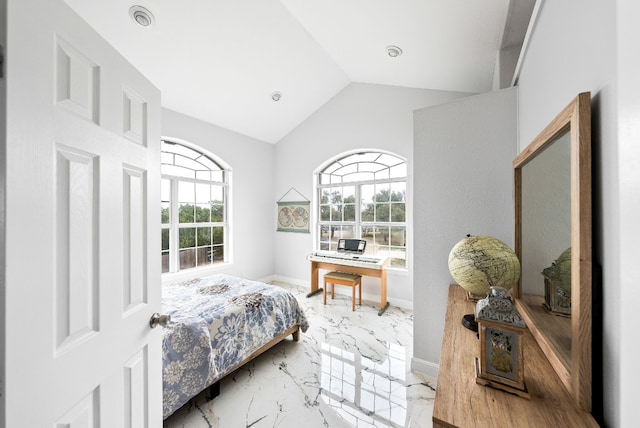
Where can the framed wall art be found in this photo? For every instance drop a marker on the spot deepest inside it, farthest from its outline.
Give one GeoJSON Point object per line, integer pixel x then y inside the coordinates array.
{"type": "Point", "coordinates": [293, 216]}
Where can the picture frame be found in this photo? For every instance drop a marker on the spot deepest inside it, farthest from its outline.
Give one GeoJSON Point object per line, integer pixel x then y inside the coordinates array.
{"type": "Point", "coordinates": [293, 216]}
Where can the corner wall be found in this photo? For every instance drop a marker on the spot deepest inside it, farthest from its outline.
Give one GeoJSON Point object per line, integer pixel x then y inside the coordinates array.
{"type": "Point", "coordinates": [252, 163]}
{"type": "Point", "coordinates": [362, 116]}
{"type": "Point", "coordinates": [464, 152]}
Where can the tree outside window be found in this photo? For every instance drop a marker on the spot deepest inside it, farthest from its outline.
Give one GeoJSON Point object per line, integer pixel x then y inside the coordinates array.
{"type": "Point", "coordinates": [194, 196]}
{"type": "Point", "coordinates": [363, 196]}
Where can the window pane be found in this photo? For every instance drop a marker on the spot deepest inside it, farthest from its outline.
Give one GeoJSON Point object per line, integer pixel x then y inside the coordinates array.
{"type": "Point", "coordinates": [165, 262]}
{"type": "Point", "coordinates": [187, 258]}
{"type": "Point", "coordinates": [217, 213]}
{"type": "Point", "coordinates": [203, 193]}
{"type": "Point", "coordinates": [388, 159]}
{"type": "Point", "coordinates": [218, 235]}
{"type": "Point", "coordinates": [349, 212]}
{"type": "Point", "coordinates": [382, 174]}
{"type": "Point", "coordinates": [187, 163]}
{"type": "Point", "coordinates": [165, 190]}
{"type": "Point", "coordinates": [187, 237]}
{"type": "Point", "coordinates": [177, 171]}
{"type": "Point", "coordinates": [165, 239]}
{"type": "Point", "coordinates": [217, 254]}
{"type": "Point", "coordinates": [383, 192]}
{"type": "Point", "coordinates": [324, 196]}
{"type": "Point", "coordinates": [202, 256]}
{"type": "Point", "coordinates": [398, 236]}
{"type": "Point", "coordinates": [182, 150]}
{"type": "Point", "coordinates": [325, 211]}
{"type": "Point", "coordinates": [203, 214]}
{"type": "Point", "coordinates": [186, 213]}
{"type": "Point", "coordinates": [217, 176]}
{"type": "Point", "coordinates": [398, 191]}
{"type": "Point", "coordinates": [186, 192]}
{"type": "Point", "coordinates": [359, 176]}
{"type": "Point", "coordinates": [217, 194]}
{"type": "Point", "coordinates": [371, 167]}
{"type": "Point", "coordinates": [203, 175]}
{"type": "Point", "coordinates": [398, 256]}
{"type": "Point", "coordinates": [324, 178]}
{"type": "Point", "coordinates": [342, 232]}
{"type": "Point", "coordinates": [399, 171]}
{"type": "Point", "coordinates": [398, 212]}
{"type": "Point", "coordinates": [204, 236]}
{"type": "Point", "coordinates": [349, 194]}
{"type": "Point", "coordinates": [381, 235]}
{"type": "Point", "coordinates": [166, 158]}
{"type": "Point", "coordinates": [382, 212]}
{"type": "Point", "coordinates": [164, 213]}
{"type": "Point", "coordinates": [347, 169]}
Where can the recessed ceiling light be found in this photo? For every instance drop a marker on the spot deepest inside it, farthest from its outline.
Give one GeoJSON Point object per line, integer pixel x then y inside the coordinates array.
{"type": "Point", "coordinates": [141, 16]}
{"type": "Point", "coordinates": [276, 96]}
{"type": "Point", "coordinates": [393, 51]}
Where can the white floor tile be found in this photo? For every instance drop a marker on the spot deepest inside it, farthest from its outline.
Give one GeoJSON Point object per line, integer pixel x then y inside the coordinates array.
{"type": "Point", "coordinates": [350, 369]}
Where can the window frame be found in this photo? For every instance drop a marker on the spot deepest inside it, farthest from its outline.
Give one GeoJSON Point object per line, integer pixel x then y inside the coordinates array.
{"type": "Point", "coordinates": [358, 224]}
{"type": "Point", "coordinates": [174, 225]}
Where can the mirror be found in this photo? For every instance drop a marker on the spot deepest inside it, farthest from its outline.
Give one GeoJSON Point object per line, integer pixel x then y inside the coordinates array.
{"type": "Point", "coordinates": [552, 179]}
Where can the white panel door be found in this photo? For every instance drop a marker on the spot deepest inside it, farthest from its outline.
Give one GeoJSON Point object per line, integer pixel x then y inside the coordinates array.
{"type": "Point", "coordinates": [82, 228]}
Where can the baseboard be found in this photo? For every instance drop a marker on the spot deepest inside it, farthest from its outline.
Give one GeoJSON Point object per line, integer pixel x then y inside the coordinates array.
{"type": "Point", "coordinates": [300, 283]}
{"type": "Point", "coordinates": [305, 285]}
{"type": "Point", "coordinates": [423, 366]}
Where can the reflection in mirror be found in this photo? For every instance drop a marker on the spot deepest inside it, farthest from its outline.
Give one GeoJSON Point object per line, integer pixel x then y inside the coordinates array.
{"type": "Point", "coordinates": [552, 197]}
{"type": "Point", "coordinates": [546, 222]}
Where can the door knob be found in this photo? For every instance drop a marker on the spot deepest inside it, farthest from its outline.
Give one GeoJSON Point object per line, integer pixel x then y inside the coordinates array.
{"type": "Point", "coordinates": [157, 319]}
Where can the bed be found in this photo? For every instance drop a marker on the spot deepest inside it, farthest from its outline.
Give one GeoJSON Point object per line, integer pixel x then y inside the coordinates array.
{"type": "Point", "coordinates": [218, 323]}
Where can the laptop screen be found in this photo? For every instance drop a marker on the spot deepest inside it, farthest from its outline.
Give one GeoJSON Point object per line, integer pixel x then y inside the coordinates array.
{"type": "Point", "coordinates": [352, 245]}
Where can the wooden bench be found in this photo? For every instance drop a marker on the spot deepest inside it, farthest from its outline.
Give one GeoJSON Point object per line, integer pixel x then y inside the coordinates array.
{"type": "Point", "coordinates": [343, 278]}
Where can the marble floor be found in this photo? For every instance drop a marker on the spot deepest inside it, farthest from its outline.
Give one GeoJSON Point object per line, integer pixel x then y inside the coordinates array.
{"type": "Point", "coordinates": [350, 369]}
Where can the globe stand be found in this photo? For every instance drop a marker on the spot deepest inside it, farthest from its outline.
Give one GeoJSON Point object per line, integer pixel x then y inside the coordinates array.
{"type": "Point", "coordinates": [469, 322]}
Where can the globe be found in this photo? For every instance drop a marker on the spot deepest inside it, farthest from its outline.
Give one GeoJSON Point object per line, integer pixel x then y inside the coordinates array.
{"type": "Point", "coordinates": [563, 269]}
{"type": "Point", "coordinates": [480, 262]}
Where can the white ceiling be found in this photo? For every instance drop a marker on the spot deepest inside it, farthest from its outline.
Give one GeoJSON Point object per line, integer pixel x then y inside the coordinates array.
{"type": "Point", "coordinates": [220, 60]}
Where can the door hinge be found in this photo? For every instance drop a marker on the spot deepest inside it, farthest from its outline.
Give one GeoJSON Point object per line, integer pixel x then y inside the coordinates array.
{"type": "Point", "coordinates": [1, 61]}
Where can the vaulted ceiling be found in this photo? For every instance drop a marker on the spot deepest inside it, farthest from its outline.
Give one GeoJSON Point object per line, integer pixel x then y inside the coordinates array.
{"type": "Point", "coordinates": [222, 60]}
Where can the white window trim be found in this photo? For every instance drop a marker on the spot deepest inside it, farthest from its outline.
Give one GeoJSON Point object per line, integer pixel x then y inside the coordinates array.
{"type": "Point", "coordinates": [408, 204]}
{"type": "Point", "coordinates": [175, 274]}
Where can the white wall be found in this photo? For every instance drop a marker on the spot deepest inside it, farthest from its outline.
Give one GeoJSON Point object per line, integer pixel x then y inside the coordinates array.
{"type": "Point", "coordinates": [253, 165]}
{"type": "Point", "coordinates": [463, 153]}
{"type": "Point", "coordinates": [628, 128]}
{"type": "Point", "coordinates": [362, 116]}
{"type": "Point", "coordinates": [3, 169]}
{"type": "Point", "coordinates": [582, 46]}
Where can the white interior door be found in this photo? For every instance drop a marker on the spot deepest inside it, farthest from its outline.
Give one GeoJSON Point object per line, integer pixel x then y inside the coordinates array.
{"type": "Point", "coordinates": [82, 228]}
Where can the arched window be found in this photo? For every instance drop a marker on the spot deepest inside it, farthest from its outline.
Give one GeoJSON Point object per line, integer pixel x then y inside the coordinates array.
{"type": "Point", "coordinates": [194, 197]}
{"type": "Point", "coordinates": [363, 196]}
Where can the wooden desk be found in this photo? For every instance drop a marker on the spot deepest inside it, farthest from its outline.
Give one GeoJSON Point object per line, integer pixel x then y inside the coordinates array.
{"type": "Point", "coordinates": [461, 402]}
{"type": "Point", "coordinates": [376, 271]}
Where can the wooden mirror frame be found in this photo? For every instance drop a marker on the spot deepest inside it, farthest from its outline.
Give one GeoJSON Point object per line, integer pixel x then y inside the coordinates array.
{"type": "Point", "coordinates": [576, 373]}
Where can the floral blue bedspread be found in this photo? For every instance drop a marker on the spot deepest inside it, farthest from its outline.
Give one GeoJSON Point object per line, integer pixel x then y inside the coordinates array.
{"type": "Point", "coordinates": [216, 322]}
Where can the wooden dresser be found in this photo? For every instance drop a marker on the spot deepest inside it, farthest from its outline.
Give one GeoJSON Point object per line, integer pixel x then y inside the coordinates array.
{"type": "Point", "coordinates": [460, 402]}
